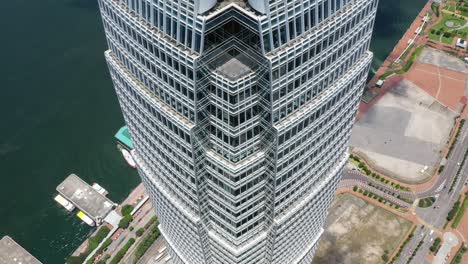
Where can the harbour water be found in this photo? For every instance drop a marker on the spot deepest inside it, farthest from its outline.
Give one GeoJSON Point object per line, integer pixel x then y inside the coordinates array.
{"type": "Point", "coordinates": [58, 114]}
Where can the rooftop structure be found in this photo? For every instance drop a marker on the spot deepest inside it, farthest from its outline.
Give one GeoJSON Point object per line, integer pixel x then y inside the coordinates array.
{"type": "Point", "coordinates": [224, 3]}
{"type": "Point", "coordinates": [85, 197]}
{"type": "Point", "coordinates": [12, 253]}
{"type": "Point", "coordinates": [213, 7]}
{"type": "Point", "coordinates": [234, 69]}
{"type": "Point", "coordinates": [123, 136]}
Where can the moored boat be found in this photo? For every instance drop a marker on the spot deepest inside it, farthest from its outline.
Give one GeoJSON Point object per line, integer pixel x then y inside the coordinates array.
{"type": "Point", "coordinates": [85, 218]}
{"type": "Point", "coordinates": [128, 157]}
{"type": "Point", "coordinates": [64, 202]}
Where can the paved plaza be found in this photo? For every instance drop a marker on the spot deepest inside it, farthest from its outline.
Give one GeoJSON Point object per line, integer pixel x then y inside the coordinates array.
{"type": "Point", "coordinates": [404, 133]}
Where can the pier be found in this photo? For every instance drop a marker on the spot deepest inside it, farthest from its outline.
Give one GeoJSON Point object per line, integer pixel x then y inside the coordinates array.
{"type": "Point", "coordinates": [86, 198]}
{"type": "Point", "coordinates": [12, 253]}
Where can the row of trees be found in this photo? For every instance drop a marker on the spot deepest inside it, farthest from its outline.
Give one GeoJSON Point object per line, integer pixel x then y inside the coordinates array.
{"type": "Point", "coordinates": [374, 196]}
{"type": "Point", "coordinates": [93, 243]}
{"type": "Point", "coordinates": [368, 172]}
{"type": "Point", "coordinates": [127, 217]}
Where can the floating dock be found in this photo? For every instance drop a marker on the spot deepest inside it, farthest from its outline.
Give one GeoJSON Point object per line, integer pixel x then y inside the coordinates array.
{"type": "Point", "coordinates": [12, 253]}
{"type": "Point", "coordinates": [92, 203]}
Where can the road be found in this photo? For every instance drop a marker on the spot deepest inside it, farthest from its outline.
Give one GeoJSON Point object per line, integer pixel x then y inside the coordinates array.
{"type": "Point", "coordinates": [144, 216]}
{"type": "Point", "coordinates": [156, 254]}
{"type": "Point", "coordinates": [434, 218]}
{"type": "Point", "coordinates": [419, 234]}
{"type": "Point", "coordinates": [141, 217]}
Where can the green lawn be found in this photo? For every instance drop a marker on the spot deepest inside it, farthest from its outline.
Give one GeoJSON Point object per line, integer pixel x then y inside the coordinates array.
{"type": "Point", "coordinates": [406, 66]}
{"type": "Point", "coordinates": [460, 6]}
{"type": "Point", "coordinates": [439, 29]}
{"type": "Point", "coordinates": [426, 202]}
{"type": "Point", "coordinates": [460, 213]}
{"type": "Point", "coordinates": [450, 7]}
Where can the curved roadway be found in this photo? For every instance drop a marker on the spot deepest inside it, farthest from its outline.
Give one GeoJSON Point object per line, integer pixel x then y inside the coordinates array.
{"type": "Point", "coordinates": [442, 184]}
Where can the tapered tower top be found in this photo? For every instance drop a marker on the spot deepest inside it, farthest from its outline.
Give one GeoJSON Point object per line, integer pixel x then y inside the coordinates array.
{"type": "Point", "coordinates": [206, 6]}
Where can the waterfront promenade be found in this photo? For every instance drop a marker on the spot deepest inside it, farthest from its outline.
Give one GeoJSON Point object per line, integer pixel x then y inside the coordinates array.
{"type": "Point", "coordinates": [399, 48]}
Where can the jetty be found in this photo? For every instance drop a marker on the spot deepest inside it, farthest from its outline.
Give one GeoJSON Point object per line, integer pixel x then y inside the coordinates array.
{"type": "Point", "coordinates": [12, 253]}
{"type": "Point", "coordinates": [92, 202]}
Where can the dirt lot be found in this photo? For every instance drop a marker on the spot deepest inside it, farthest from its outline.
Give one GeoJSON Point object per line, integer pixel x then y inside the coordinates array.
{"type": "Point", "coordinates": [359, 232]}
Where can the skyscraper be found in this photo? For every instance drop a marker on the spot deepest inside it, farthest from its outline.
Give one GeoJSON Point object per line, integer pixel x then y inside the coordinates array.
{"type": "Point", "coordinates": [240, 112]}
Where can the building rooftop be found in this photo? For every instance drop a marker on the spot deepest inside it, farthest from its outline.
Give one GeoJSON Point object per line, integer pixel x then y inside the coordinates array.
{"type": "Point", "coordinates": [240, 3]}
{"type": "Point", "coordinates": [86, 198]}
{"type": "Point", "coordinates": [123, 135]}
{"type": "Point", "coordinates": [12, 253]}
{"type": "Point", "coordinates": [234, 69]}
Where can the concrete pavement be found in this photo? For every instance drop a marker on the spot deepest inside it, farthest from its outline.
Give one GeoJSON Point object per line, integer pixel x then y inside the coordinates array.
{"type": "Point", "coordinates": [434, 218]}
{"type": "Point", "coordinates": [449, 241]}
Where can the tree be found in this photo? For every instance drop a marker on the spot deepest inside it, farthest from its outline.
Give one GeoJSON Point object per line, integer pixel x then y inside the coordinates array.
{"type": "Point", "coordinates": [127, 209]}
{"type": "Point", "coordinates": [435, 245]}
{"type": "Point", "coordinates": [125, 221]}
{"type": "Point", "coordinates": [140, 232]}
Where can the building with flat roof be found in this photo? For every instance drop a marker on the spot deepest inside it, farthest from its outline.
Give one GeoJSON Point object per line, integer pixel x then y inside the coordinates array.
{"type": "Point", "coordinates": [86, 198]}
{"type": "Point", "coordinates": [240, 112]}
{"type": "Point", "coordinates": [12, 253]}
{"type": "Point", "coordinates": [124, 138]}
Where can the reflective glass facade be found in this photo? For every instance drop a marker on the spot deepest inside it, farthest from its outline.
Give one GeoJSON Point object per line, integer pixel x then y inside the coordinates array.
{"type": "Point", "coordinates": [240, 113]}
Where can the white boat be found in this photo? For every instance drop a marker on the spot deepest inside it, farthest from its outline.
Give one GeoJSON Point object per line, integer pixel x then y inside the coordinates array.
{"type": "Point", "coordinates": [85, 218]}
{"type": "Point", "coordinates": [64, 202]}
{"type": "Point", "coordinates": [99, 189]}
{"type": "Point", "coordinates": [128, 157]}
